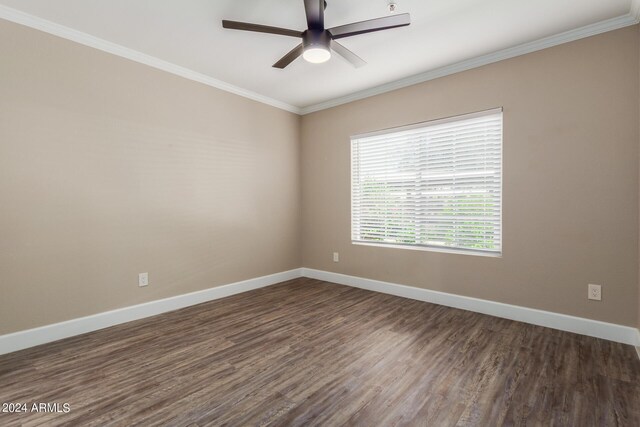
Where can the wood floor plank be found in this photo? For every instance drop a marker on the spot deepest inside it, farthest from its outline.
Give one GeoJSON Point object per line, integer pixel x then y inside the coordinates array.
{"type": "Point", "coordinates": [306, 352]}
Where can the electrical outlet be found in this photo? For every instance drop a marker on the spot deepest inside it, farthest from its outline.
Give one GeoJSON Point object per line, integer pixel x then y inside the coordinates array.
{"type": "Point", "coordinates": [336, 257]}
{"type": "Point", "coordinates": [595, 292]}
{"type": "Point", "coordinates": [143, 279]}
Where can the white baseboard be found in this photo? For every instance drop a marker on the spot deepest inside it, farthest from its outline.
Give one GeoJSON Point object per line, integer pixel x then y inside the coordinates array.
{"type": "Point", "coordinates": [42, 335]}
{"type": "Point", "coordinates": [57, 331]}
{"type": "Point", "coordinates": [563, 322]}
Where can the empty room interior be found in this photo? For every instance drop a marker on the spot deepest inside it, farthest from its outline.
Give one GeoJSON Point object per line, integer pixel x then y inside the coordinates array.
{"type": "Point", "coordinates": [299, 212]}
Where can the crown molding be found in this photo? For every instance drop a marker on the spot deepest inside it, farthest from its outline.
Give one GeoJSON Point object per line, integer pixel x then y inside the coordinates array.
{"type": "Point", "coordinates": [631, 18]}
{"type": "Point", "coordinates": [37, 23]}
{"type": "Point", "coordinates": [19, 17]}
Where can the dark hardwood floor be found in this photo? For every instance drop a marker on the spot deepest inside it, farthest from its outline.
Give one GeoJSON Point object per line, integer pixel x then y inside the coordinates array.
{"type": "Point", "coordinates": [306, 352]}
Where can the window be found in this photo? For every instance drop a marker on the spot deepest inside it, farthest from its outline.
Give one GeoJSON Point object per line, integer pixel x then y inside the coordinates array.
{"type": "Point", "coordinates": [433, 185]}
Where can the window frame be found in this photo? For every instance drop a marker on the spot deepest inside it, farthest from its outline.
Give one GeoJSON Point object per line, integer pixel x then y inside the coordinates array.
{"type": "Point", "coordinates": [434, 248]}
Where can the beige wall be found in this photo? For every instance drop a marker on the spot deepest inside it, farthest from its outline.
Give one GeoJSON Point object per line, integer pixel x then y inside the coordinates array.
{"type": "Point", "coordinates": [109, 168]}
{"type": "Point", "coordinates": [570, 180]}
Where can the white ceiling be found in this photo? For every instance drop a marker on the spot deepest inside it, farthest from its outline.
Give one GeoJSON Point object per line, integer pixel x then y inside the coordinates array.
{"type": "Point", "coordinates": [188, 33]}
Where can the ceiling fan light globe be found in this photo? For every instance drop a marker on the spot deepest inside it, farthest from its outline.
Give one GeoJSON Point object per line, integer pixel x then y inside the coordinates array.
{"type": "Point", "coordinates": [316, 55]}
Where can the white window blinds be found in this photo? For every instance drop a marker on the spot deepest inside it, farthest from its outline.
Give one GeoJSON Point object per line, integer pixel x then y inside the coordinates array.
{"type": "Point", "coordinates": [435, 185]}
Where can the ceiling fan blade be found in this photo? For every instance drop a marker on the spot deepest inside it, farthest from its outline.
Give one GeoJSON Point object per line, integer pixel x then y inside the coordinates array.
{"type": "Point", "coordinates": [371, 25]}
{"type": "Point", "coordinates": [234, 25]}
{"type": "Point", "coordinates": [315, 14]}
{"type": "Point", "coordinates": [289, 57]}
{"type": "Point", "coordinates": [351, 57]}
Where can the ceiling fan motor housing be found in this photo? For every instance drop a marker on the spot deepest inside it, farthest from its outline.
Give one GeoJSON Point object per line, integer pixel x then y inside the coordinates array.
{"type": "Point", "coordinates": [316, 39]}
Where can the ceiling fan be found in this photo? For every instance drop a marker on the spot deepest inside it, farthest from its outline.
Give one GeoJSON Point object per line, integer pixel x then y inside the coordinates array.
{"type": "Point", "coordinates": [318, 41]}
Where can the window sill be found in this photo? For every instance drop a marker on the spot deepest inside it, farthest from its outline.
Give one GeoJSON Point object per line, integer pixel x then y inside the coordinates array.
{"type": "Point", "coordinates": [432, 249]}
